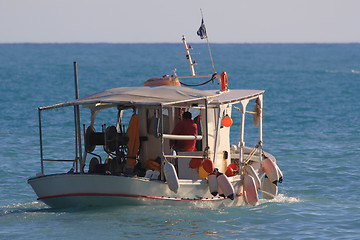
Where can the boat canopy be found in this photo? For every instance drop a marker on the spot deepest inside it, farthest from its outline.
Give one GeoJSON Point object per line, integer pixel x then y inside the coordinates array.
{"type": "Point", "coordinates": [156, 96]}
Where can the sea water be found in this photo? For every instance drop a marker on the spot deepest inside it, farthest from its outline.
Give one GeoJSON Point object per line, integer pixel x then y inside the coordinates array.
{"type": "Point", "coordinates": [311, 124]}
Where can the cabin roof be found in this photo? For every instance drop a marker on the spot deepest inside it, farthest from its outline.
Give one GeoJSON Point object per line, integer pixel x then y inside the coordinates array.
{"type": "Point", "coordinates": [155, 96]}
{"type": "Point", "coordinates": [237, 95]}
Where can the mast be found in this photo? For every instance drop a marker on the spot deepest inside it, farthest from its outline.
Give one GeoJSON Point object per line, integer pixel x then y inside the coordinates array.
{"type": "Point", "coordinates": [188, 57]}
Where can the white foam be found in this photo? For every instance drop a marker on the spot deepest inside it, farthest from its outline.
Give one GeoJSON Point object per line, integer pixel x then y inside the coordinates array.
{"type": "Point", "coordinates": [281, 198]}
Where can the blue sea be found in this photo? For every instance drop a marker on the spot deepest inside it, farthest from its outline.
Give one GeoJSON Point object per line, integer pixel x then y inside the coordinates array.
{"type": "Point", "coordinates": [311, 124]}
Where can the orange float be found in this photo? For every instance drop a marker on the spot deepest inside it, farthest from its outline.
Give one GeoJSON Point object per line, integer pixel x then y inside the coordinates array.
{"type": "Point", "coordinates": [195, 163]}
{"type": "Point", "coordinates": [227, 121]}
{"type": "Point", "coordinates": [208, 165]}
{"type": "Point", "coordinates": [202, 173]}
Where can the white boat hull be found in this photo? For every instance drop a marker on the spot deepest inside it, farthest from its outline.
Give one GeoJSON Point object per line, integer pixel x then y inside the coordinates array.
{"type": "Point", "coordinates": [92, 190]}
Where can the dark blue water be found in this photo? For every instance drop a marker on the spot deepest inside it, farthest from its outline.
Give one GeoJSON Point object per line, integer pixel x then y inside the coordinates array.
{"type": "Point", "coordinates": [311, 124]}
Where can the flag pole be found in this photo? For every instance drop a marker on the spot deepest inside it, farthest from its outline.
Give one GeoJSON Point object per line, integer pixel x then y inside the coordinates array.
{"type": "Point", "coordinates": [207, 40]}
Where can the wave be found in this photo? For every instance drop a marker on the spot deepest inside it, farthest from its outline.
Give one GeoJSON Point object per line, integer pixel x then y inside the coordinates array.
{"type": "Point", "coordinates": [340, 71]}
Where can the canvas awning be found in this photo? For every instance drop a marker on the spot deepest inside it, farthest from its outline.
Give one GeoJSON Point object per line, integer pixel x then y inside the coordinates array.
{"type": "Point", "coordinates": [155, 96]}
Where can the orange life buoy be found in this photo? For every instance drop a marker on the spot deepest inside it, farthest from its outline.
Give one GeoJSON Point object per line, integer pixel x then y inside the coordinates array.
{"type": "Point", "coordinates": [223, 82]}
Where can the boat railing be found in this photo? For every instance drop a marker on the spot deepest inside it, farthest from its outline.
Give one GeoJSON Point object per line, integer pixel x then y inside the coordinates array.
{"type": "Point", "coordinates": [182, 137]}
{"type": "Point", "coordinates": [58, 160]}
{"type": "Point", "coordinates": [182, 156]}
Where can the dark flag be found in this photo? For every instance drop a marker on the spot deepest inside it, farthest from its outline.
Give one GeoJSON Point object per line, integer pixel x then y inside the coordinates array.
{"type": "Point", "coordinates": [202, 30]}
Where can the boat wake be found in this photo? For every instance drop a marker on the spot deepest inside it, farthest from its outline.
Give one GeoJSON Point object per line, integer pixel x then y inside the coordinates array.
{"type": "Point", "coordinates": [18, 208]}
{"type": "Point", "coordinates": [281, 198]}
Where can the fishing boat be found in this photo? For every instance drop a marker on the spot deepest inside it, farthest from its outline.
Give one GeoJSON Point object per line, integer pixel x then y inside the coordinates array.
{"type": "Point", "coordinates": [140, 165]}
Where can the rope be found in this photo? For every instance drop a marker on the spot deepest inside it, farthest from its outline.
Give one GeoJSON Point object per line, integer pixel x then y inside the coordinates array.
{"type": "Point", "coordinates": [251, 154]}
{"type": "Point", "coordinates": [196, 85]}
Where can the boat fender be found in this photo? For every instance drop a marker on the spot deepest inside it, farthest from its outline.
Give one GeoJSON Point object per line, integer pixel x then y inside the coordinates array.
{"type": "Point", "coordinates": [156, 128]}
{"type": "Point", "coordinates": [250, 193]}
{"type": "Point", "coordinates": [281, 176]}
{"type": "Point", "coordinates": [229, 172]}
{"type": "Point", "coordinates": [171, 177]}
{"type": "Point", "coordinates": [269, 167]}
{"type": "Point", "coordinates": [208, 165]}
{"type": "Point", "coordinates": [251, 172]}
{"type": "Point", "coordinates": [195, 163]}
{"type": "Point", "coordinates": [224, 82]}
{"type": "Point", "coordinates": [269, 189]}
{"type": "Point", "coordinates": [227, 121]}
{"type": "Point", "coordinates": [213, 186]}
{"type": "Point", "coordinates": [221, 194]}
{"type": "Point", "coordinates": [225, 185]}
{"type": "Point", "coordinates": [232, 170]}
{"type": "Point", "coordinates": [256, 115]}
{"type": "Point", "coordinates": [203, 173]}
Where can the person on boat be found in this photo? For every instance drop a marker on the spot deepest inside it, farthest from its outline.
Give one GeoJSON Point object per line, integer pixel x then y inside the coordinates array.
{"type": "Point", "coordinates": [198, 144]}
{"type": "Point", "coordinates": [185, 127]}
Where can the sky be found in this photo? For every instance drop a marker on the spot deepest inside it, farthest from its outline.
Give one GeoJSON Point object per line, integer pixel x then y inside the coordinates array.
{"type": "Point", "coordinates": [152, 21]}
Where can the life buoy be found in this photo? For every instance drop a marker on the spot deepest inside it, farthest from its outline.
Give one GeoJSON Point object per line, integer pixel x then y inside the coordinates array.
{"type": "Point", "coordinates": [224, 82]}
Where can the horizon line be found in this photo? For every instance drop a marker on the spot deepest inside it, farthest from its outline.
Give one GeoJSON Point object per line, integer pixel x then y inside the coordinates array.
{"type": "Point", "coordinates": [196, 42]}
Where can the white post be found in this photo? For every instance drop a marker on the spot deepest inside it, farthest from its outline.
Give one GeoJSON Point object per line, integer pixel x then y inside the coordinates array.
{"type": "Point", "coordinates": [260, 126]}
{"type": "Point", "coordinates": [41, 147]}
{"type": "Point", "coordinates": [242, 128]}
{"type": "Point", "coordinates": [188, 56]}
{"type": "Point", "coordinates": [162, 141]}
{"type": "Point", "coordinates": [77, 122]}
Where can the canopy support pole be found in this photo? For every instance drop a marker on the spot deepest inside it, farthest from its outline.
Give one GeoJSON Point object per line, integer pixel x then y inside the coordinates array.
{"type": "Point", "coordinates": [162, 142]}
{"type": "Point", "coordinates": [77, 125]}
{"type": "Point", "coordinates": [206, 129]}
{"type": "Point", "coordinates": [41, 146]}
{"type": "Point", "coordinates": [260, 126]}
{"type": "Point", "coordinates": [242, 128]}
